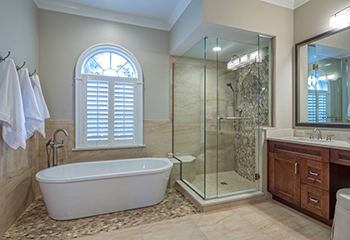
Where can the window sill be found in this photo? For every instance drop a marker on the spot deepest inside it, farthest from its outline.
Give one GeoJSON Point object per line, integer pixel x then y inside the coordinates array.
{"type": "Point", "coordinates": [106, 148]}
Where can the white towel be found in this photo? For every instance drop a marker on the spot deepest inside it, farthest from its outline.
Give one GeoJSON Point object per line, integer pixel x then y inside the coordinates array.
{"type": "Point", "coordinates": [41, 103]}
{"type": "Point", "coordinates": [30, 106]}
{"type": "Point", "coordinates": [11, 108]}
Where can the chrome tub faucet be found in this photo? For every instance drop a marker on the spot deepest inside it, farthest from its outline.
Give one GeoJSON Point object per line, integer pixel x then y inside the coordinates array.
{"type": "Point", "coordinates": [54, 144]}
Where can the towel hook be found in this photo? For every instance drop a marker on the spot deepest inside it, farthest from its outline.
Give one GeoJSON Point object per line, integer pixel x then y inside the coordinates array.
{"type": "Point", "coordinates": [3, 58]}
{"type": "Point", "coordinates": [18, 68]}
{"type": "Point", "coordinates": [31, 74]}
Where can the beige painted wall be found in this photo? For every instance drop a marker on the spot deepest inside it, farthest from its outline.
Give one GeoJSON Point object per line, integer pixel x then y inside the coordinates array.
{"type": "Point", "coordinates": [19, 32]}
{"type": "Point", "coordinates": [63, 37]}
{"type": "Point", "coordinates": [19, 28]}
{"type": "Point", "coordinates": [258, 16]}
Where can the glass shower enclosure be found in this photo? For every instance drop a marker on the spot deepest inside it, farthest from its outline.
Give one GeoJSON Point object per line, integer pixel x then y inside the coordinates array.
{"type": "Point", "coordinates": [221, 95]}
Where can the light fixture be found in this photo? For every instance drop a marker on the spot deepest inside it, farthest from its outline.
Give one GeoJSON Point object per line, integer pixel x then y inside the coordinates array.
{"type": "Point", "coordinates": [253, 55]}
{"type": "Point", "coordinates": [233, 62]}
{"type": "Point", "coordinates": [216, 49]}
{"type": "Point", "coordinates": [328, 64]}
{"type": "Point", "coordinates": [238, 62]}
{"type": "Point", "coordinates": [340, 19]}
{"type": "Point", "coordinates": [244, 58]}
{"type": "Point", "coordinates": [331, 77]}
{"type": "Point", "coordinates": [322, 78]}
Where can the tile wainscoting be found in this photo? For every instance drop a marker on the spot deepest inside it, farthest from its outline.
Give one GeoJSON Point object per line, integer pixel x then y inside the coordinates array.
{"type": "Point", "coordinates": [18, 186]}
{"type": "Point", "coordinates": [156, 137]}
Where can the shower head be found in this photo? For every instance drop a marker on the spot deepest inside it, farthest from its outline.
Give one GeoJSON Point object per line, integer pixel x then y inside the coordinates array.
{"type": "Point", "coordinates": [229, 84]}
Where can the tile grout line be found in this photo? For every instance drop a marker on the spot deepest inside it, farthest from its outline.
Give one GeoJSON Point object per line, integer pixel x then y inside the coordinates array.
{"type": "Point", "coordinates": [198, 226]}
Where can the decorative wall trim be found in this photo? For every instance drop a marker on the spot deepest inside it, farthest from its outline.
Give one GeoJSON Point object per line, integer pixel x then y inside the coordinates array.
{"type": "Point", "coordinates": [80, 10]}
{"type": "Point", "coordinates": [177, 12]}
{"type": "Point", "coordinates": [291, 4]}
{"type": "Point", "coordinates": [298, 3]}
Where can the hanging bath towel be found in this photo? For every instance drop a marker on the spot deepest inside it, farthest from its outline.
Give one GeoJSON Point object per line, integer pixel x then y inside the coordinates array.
{"type": "Point", "coordinates": [41, 103]}
{"type": "Point", "coordinates": [11, 108]}
{"type": "Point", "coordinates": [31, 110]}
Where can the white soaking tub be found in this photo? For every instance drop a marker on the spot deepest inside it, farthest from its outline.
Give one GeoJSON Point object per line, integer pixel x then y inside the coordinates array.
{"type": "Point", "coordinates": [85, 189]}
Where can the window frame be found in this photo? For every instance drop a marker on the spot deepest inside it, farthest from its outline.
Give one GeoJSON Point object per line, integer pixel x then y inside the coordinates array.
{"type": "Point", "coordinates": [80, 102]}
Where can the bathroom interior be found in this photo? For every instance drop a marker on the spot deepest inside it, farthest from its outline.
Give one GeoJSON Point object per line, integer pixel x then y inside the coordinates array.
{"type": "Point", "coordinates": [244, 105]}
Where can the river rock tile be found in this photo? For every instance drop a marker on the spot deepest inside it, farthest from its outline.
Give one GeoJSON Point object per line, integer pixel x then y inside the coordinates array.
{"type": "Point", "coordinates": [35, 223]}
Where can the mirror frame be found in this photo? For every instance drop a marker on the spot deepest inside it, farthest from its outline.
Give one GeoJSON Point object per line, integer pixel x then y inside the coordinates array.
{"type": "Point", "coordinates": [297, 90]}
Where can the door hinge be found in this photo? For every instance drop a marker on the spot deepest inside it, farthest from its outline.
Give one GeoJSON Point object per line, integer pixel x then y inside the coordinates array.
{"type": "Point", "coordinates": [257, 176]}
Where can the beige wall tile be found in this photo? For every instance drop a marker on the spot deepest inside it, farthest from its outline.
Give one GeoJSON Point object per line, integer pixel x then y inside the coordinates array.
{"type": "Point", "coordinates": [17, 184]}
{"type": "Point", "coordinates": [157, 138]}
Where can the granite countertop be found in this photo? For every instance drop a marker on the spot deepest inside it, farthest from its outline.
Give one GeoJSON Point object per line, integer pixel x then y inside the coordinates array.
{"type": "Point", "coordinates": [344, 145]}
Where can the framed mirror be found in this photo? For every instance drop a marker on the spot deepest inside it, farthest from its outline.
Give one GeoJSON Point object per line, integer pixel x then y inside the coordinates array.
{"type": "Point", "coordinates": [322, 73]}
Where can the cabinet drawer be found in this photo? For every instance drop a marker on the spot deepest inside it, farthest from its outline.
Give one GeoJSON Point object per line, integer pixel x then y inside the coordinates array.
{"type": "Point", "coordinates": [341, 157]}
{"type": "Point", "coordinates": [315, 200]}
{"type": "Point", "coordinates": [304, 151]}
{"type": "Point", "coordinates": [315, 173]}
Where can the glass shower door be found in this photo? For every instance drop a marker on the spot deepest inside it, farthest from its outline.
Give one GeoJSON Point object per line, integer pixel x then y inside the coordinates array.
{"type": "Point", "coordinates": [237, 95]}
{"type": "Point", "coordinates": [243, 103]}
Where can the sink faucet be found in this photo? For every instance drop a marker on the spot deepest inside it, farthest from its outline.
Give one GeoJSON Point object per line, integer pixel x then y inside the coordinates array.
{"type": "Point", "coordinates": [56, 145]}
{"type": "Point", "coordinates": [319, 137]}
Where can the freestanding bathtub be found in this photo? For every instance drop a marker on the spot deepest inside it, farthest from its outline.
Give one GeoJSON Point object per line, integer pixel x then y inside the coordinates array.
{"type": "Point", "coordinates": [85, 189]}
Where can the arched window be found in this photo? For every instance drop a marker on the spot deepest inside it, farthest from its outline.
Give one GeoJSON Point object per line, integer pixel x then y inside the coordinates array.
{"type": "Point", "coordinates": [108, 98]}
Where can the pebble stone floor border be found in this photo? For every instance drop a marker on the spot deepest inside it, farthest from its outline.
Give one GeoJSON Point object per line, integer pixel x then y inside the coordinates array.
{"type": "Point", "coordinates": [35, 223]}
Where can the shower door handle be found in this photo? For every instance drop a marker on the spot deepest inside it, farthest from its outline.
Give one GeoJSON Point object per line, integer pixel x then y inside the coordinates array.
{"type": "Point", "coordinates": [220, 118]}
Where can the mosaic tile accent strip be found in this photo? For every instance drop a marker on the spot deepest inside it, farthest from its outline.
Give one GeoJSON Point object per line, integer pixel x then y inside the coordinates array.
{"type": "Point", "coordinates": [35, 223]}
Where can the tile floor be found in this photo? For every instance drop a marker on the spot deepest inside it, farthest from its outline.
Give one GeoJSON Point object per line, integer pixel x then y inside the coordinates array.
{"type": "Point", "coordinates": [234, 183]}
{"type": "Point", "coordinates": [35, 223]}
{"type": "Point", "coordinates": [265, 220]}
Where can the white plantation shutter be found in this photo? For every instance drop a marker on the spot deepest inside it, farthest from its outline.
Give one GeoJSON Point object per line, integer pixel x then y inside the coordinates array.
{"type": "Point", "coordinates": [123, 111]}
{"type": "Point", "coordinates": [97, 110]}
{"type": "Point", "coordinates": [317, 106]}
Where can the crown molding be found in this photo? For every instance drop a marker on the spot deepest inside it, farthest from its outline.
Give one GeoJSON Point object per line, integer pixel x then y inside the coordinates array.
{"type": "Point", "coordinates": [177, 12]}
{"type": "Point", "coordinates": [291, 4]}
{"type": "Point", "coordinates": [298, 3]}
{"type": "Point", "coordinates": [80, 10]}
{"type": "Point", "coordinates": [36, 3]}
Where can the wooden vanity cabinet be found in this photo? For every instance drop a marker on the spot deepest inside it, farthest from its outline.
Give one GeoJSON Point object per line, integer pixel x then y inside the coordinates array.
{"type": "Point", "coordinates": [300, 175]}
{"type": "Point", "coordinates": [284, 178]}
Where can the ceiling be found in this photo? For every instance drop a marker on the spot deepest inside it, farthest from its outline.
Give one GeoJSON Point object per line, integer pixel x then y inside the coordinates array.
{"type": "Point", "coordinates": [158, 14]}
{"type": "Point", "coordinates": [291, 4]}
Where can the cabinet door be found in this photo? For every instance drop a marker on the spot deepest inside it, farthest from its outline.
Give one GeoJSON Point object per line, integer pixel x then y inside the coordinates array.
{"type": "Point", "coordinates": [284, 177]}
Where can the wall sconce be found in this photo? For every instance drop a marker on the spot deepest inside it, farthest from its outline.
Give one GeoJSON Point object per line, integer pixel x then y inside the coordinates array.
{"type": "Point", "coordinates": [340, 19]}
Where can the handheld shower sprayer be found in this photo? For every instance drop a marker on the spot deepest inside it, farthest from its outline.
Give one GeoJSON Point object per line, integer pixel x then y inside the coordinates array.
{"type": "Point", "coordinates": [229, 84]}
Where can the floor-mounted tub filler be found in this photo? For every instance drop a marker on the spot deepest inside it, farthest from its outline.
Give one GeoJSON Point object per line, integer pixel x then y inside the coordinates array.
{"type": "Point", "coordinates": [85, 189]}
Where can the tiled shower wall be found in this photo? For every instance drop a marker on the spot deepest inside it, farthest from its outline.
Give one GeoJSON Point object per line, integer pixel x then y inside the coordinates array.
{"type": "Point", "coordinates": [248, 87]}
